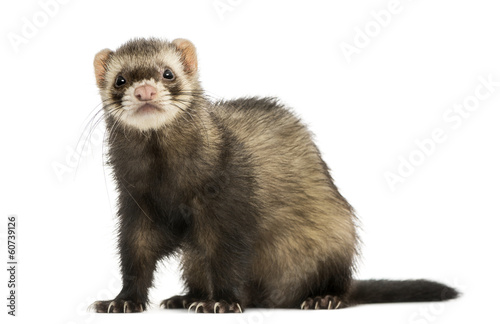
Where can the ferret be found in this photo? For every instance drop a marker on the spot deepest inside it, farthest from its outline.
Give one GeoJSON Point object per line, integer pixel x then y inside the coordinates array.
{"type": "Point", "coordinates": [236, 188]}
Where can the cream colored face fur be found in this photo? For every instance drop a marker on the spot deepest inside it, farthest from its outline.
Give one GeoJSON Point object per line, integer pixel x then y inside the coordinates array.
{"type": "Point", "coordinates": [178, 56]}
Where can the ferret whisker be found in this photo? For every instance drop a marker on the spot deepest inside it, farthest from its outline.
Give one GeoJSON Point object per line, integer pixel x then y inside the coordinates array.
{"type": "Point", "coordinates": [193, 96]}
{"type": "Point", "coordinates": [93, 113]}
{"type": "Point", "coordinates": [96, 122]}
{"type": "Point", "coordinates": [138, 205]}
{"type": "Point", "coordinates": [85, 135]}
{"type": "Point", "coordinates": [113, 128]}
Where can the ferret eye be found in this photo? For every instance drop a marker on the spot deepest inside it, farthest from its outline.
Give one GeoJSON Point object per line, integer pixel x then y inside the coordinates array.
{"type": "Point", "coordinates": [169, 75]}
{"type": "Point", "coordinates": [120, 81]}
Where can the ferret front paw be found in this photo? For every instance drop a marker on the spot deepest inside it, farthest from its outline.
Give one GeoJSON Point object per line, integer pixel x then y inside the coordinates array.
{"type": "Point", "coordinates": [212, 306]}
{"type": "Point", "coordinates": [324, 302]}
{"type": "Point", "coordinates": [177, 302]}
{"type": "Point", "coordinates": [117, 306]}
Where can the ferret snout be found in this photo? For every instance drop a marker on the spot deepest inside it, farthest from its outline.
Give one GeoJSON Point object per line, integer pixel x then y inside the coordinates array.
{"type": "Point", "coordinates": [145, 92]}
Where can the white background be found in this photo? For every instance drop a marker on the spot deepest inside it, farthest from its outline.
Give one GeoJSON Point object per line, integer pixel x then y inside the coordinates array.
{"type": "Point", "coordinates": [441, 223]}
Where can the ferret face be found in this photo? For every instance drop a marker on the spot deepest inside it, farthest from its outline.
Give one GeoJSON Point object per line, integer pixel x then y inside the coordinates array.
{"type": "Point", "coordinates": [146, 84]}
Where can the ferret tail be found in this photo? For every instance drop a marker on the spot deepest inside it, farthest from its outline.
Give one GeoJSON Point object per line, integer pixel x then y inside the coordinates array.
{"type": "Point", "coordinates": [398, 291]}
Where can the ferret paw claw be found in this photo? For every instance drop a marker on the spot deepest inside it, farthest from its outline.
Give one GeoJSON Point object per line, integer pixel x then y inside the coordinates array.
{"type": "Point", "coordinates": [215, 307]}
{"type": "Point", "coordinates": [325, 302]}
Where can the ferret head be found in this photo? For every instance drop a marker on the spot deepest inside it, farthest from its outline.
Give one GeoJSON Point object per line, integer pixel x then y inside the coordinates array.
{"type": "Point", "coordinates": [147, 83]}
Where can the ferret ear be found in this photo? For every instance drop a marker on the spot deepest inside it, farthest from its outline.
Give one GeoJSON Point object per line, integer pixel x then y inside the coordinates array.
{"type": "Point", "coordinates": [188, 54]}
{"type": "Point", "coordinates": [100, 66]}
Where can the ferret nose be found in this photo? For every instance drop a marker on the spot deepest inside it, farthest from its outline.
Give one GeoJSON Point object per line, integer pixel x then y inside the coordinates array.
{"type": "Point", "coordinates": [145, 92]}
